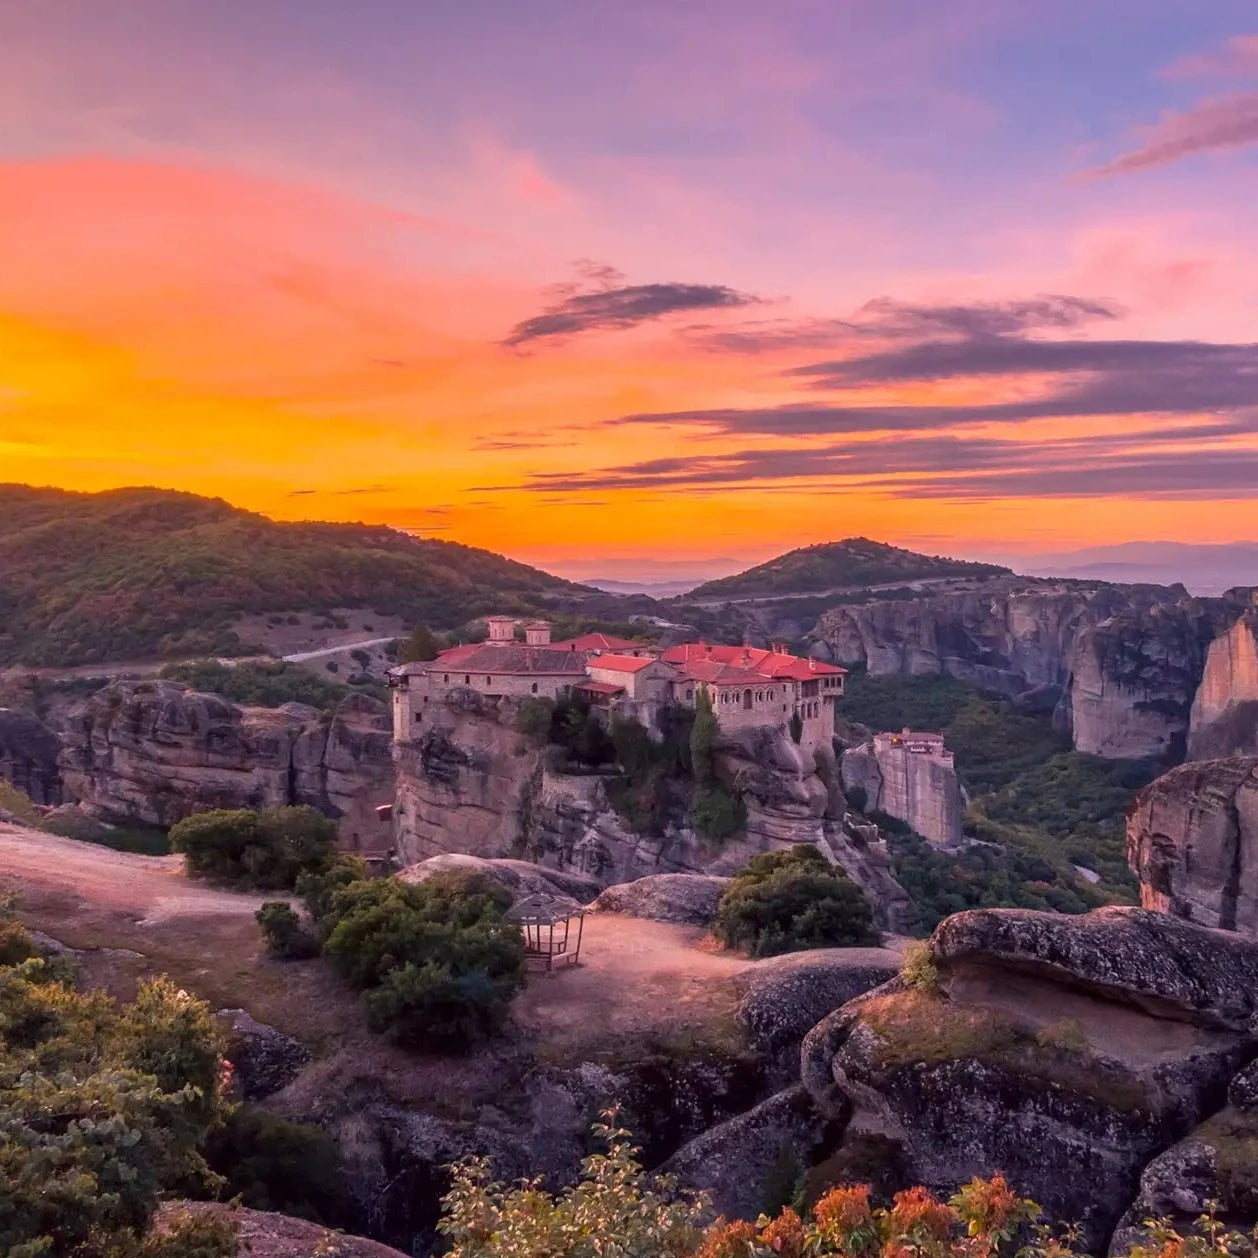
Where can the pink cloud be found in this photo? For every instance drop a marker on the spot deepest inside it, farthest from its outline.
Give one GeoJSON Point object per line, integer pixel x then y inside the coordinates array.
{"type": "Point", "coordinates": [1226, 122]}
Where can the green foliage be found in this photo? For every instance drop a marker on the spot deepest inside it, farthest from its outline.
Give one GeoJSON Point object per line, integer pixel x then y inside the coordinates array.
{"type": "Point", "coordinates": [18, 804]}
{"type": "Point", "coordinates": [918, 971]}
{"type": "Point", "coordinates": [855, 561]}
{"type": "Point", "coordinates": [438, 961]}
{"type": "Point", "coordinates": [703, 736]}
{"type": "Point", "coordinates": [285, 936]}
{"type": "Point", "coordinates": [420, 645]}
{"type": "Point", "coordinates": [716, 812]}
{"type": "Point", "coordinates": [318, 888]}
{"type": "Point", "coordinates": [614, 1210]}
{"type": "Point", "coordinates": [579, 734]}
{"type": "Point", "coordinates": [102, 1110]}
{"type": "Point", "coordinates": [796, 726]}
{"type": "Point", "coordinates": [263, 685]}
{"type": "Point", "coordinates": [535, 716]}
{"type": "Point", "coordinates": [1045, 806]}
{"type": "Point", "coordinates": [270, 1163]}
{"type": "Point", "coordinates": [267, 850]}
{"type": "Point", "coordinates": [792, 900]}
{"type": "Point", "coordinates": [134, 573]}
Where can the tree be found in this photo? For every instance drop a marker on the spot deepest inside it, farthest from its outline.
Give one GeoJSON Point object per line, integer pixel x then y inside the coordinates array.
{"type": "Point", "coordinates": [703, 739]}
{"type": "Point", "coordinates": [792, 900]}
{"type": "Point", "coordinates": [796, 726]}
{"type": "Point", "coordinates": [419, 646]}
{"type": "Point", "coordinates": [285, 936]}
{"type": "Point", "coordinates": [267, 849]}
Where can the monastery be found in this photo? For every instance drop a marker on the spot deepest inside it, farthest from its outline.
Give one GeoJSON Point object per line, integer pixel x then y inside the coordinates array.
{"type": "Point", "coordinates": [747, 686]}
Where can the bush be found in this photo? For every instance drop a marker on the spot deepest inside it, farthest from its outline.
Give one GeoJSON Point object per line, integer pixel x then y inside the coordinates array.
{"type": "Point", "coordinates": [285, 936]}
{"type": "Point", "coordinates": [535, 716]}
{"type": "Point", "coordinates": [18, 804]}
{"type": "Point", "coordinates": [266, 850]}
{"type": "Point", "coordinates": [273, 1164]}
{"type": "Point", "coordinates": [918, 970]}
{"type": "Point", "coordinates": [789, 901]}
{"type": "Point", "coordinates": [716, 813]}
{"type": "Point", "coordinates": [438, 960]}
{"type": "Point", "coordinates": [264, 685]}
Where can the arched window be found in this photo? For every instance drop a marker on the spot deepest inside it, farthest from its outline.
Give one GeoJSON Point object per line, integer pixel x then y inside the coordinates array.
{"type": "Point", "coordinates": [467, 681]}
{"type": "Point", "coordinates": [690, 692]}
{"type": "Point", "coordinates": [535, 687]}
{"type": "Point", "coordinates": [447, 677]}
{"type": "Point", "coordinates": [746, 698]}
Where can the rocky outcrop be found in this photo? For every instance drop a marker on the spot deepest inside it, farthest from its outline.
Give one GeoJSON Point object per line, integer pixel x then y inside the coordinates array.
{"type": "Point", "coordinates": [520, 878]}
{"type": "Point", "coordinates": [470, 782]}
{"type": "Point", "coordinates": [1224, 717]}
{"type": "Point", "coordinates": [155, 752]}
{"type": "Point", "coordinates": [1192, 839]}
{"type": "Point", "coordinates": [690, 899]}
{"type": "Point", "coordinates": [1120, 664]}
{"type": "Point", "coordinates": [263, 1234]}
{"type": "Point", "coordinates": [264, 1060]}
{"type": "Point", "coordinates": [28, 756]}
{"type": "Point", "coordinates": [1067, 1052]}
{"type": "Point", "coordinates": [919, 786]}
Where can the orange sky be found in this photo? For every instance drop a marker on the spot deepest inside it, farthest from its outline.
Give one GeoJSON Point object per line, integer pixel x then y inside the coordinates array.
{"type": "Point", "coordinates": [316, 339]}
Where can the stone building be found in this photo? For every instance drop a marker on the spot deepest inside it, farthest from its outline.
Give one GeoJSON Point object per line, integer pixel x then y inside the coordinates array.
{"type": "Point", "coordinates": [909, 775]}
{"type": "Point", "coordinates": [748, 687]}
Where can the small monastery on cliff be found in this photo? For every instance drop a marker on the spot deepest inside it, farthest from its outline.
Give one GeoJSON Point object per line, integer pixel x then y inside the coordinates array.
{"type": "Point", "coordinates": [747, 686]}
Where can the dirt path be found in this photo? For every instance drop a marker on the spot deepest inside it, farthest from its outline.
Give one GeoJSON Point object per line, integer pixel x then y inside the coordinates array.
{"type": "Point", "coordinates": [152, 889]}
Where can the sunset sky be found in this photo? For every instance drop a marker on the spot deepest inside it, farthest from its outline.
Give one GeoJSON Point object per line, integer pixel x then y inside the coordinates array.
{"type": "Point", "coordinates": [681, 284]}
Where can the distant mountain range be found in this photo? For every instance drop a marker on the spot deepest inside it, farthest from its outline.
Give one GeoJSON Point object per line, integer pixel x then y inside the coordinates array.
{"type": "Point", "coordinates": [1205, 569]}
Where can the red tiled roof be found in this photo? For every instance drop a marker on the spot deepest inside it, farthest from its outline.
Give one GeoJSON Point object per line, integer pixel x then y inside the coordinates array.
{"type": "Point", "coordinates": [510, 657]}
{"type": "Point", "coordinates": [718, 674]}
{"type": "Point", "coordinates": [600, 687]}
{"type": "Point", "coordinates": [622, 663]}
{"type": "Point", "coordinates": [764, 664]}
{"type": "Point", "coordinates": [599, 642]}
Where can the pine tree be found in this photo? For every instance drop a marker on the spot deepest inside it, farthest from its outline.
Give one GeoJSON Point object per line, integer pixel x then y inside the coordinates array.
{"type": "Point", "coordinates": [703, 739]}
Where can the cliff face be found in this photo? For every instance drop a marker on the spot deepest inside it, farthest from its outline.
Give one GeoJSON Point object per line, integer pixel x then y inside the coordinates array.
{"type": "Point", "coordinates": [155, 752]}
{"type": "Point", "coordinates": [1192, 839]}
{"type": "Point", "coordinates": [920, 790]}
{"type": "Point", "coordinates": [470, 782]}
{"type": "Point", "coordinates": [1120, 664]}
{"type": "Point", "coordinates": [1224, 717]}
{"type": "Point", "coordinates": [28, 756]}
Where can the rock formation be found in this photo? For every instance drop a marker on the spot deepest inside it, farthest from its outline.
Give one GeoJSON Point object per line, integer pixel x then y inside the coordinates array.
{"type": "Point", "coordinates": [1224, 717]}
{"type": "Point", "coordinates": [1192, 840]}
{"type": "Point", "coordinates": [470, 782]}
{"type": "Point", "coordinates": [1068, 1052]}
{"type": "Point", "coordinates": [909, 776]}
{"type": "Point", "coordinates": [1119, 664]}
{"type": "Point", "coordinates": [28, 756]}
{"type": "Point", "coordinates": [155, 752]}
{"type": "Point", "coordinates": [520, 878]}
{"type": "Point", "coordinates": [691, 899]}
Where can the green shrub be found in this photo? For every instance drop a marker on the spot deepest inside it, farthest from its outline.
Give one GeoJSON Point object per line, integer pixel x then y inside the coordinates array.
{"type": "Point", "coordinates": [18, 803]}
{"type": "Point", "coordinates": [535, 716]}
{"type": "Point", "coordinates": [438, 960]}
{"type": "Point", "coordinates": [918, 970]}
{"type": "Point", "coordinates": [16, 945]}
{"type": "Point", "coordinates": [318, 888]}
{"type": "Point", "coordinates": [792, 900]}
{"type": "Point", "coordinates": [267, 850]}
{"type": "Point", "coordinates": [256, 684]}
{"type": "Point", "coordinates": [273, 1164]}
{"type": "Point", "coordinates": [716, 813]}
{"type": "Point", "coordinates": [285, 936]}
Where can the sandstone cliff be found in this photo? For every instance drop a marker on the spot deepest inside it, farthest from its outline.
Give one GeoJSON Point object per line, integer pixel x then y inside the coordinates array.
{"type": "Point", "coordinates": [1224, 717]}
{"type": "Point", "coordinates": [1119, 664]}
{"type": "Point", "coordinates": [470, 782]}
{"type": "Point", "coordinates": [155, 752]}
{"type": "Point", "coordinates": [1192, 839]}
{"type": "Point", "coordinates": [923, 791]}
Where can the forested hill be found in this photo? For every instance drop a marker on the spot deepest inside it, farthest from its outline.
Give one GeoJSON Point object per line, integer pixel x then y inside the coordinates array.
{"type": "Point", "coordinates": [856, 561]}
{"type": "Point", "coordinates": [137, 572]}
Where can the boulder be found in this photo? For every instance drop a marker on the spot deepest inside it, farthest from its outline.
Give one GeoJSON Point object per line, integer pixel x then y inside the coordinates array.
{"type": "Point", "coordinates": [263, 1234]}
{"type": "Point", "coordinates": [1066, 1052]}
{"type": "Point", "coordinates": [71, 822]}
{"type": "Point", "coordinates": [520, 878]}
{"type": "Point", "coordinates": [1162, 965]}
{"type": "Point", "coordinates": [746, 1164]}
{"type": "Point", "coordinates": [1242, 1093]}
{"type": "Point", "coordinates": [690, 899]}
{"type": "Point", "coordinates": [1192, 840]}
{"type": "Point", "coordinates": [783, 998]}
{"type": "Point", "coordinates": [266, 1060]}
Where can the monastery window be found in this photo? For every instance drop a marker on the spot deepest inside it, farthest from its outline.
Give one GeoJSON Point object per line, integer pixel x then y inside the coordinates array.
{"type": "Point", "coordinates": [759, 696]}
{"type": "Point", "coordinates": [535, 687]}
{"type": "Point", "coordinates": [690, 692]}
{"type": "Point", "coordinates": [467, 681]}
{"type": "Point", "coordinates": [447, 677]}
{"type": "Point", "coordinates": [746, 698]}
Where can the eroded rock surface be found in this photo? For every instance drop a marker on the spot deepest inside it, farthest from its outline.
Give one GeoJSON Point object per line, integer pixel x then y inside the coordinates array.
{"type": "Point", "coordinates": [691, 899]}
{"type": "Point", "coordinates": [1192, 840]}
{"type": "Point", "coordinates": [28, 756]}
{"type": "Point", "coordinates": [520, 878]}
{"type": "Point", "coordinates": [155, 752]}
{"type": "Point", "coordinates": [265, 1060]}
{"type": "Point", "coordinates": [1067, 1052]}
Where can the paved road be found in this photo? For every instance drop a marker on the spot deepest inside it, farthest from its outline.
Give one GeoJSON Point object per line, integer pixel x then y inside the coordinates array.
{"type": "Point", "coordinates": [302, 656]}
